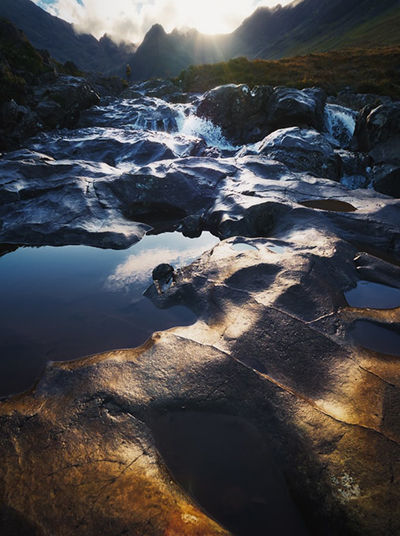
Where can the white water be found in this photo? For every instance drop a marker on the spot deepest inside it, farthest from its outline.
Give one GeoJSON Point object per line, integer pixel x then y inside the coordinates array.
{"type": "Point", "coordinates": [340, 122]}
{"type": "Point", "coordinates": [192, 125]}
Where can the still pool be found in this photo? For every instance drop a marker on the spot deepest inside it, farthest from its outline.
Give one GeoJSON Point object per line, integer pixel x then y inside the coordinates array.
{"type": "Point", "coordinates": [62, 303]}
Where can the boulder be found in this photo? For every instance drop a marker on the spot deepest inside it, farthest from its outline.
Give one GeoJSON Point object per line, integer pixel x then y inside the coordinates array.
{"type": "Point", "coordinates": [378, 133]}
{"type": "Point", "coordinates": [17, 122]}
{"type": "Point", "coordinates": [247, 116]}
{"type": "Point", "coordinates": [386, 179]}
{"type": "Point", "coordinates": [241, 113]}
{"type": "Point", "coordinates": [60, 103]}
{"type": "Point", "coordinates": [357, 101]}
{"type": "Point", "coordinates": [288, 107]}
{"type": "Point", "coordinates": [302, 150]}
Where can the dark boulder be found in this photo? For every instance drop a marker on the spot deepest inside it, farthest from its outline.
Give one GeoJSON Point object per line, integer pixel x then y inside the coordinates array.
{"type": "Point", "coordinates": [357, 101]}
{"type": "Point", "coordinates": [378, 133]}
{"type": "Point", "coordinates": [290, 107]}
{"type": "Point", "coordinates": [17, 122]}
{"type": "Point", "coordinates": [60, 103]}
{"type": "Point", "coordinates": [386, 179]}
{"type": "Point", "coordinates": [241, 113]}
{"type": "Point", "coordinates": [246, 116]}
{"type": "Point", "coordinates": [163, 273]}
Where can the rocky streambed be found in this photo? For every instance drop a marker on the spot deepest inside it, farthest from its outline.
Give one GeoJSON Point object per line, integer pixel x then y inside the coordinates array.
{"type": "Point", "coordinates": [276, 410]}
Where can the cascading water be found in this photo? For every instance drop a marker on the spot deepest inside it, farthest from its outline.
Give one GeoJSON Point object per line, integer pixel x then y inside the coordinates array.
{"type": "Point", "coordinates": [340, 122]}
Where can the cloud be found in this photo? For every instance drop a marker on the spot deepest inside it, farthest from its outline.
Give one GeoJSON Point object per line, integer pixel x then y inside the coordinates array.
{"type": "Point", "coordinates": [137, 268]}
{"type": "Point", "coordinates": [129, 20]}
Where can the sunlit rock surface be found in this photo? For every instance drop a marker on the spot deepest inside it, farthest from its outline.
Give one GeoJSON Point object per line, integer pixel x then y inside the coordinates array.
{"type": "Point", "coordinates": [277, 412]}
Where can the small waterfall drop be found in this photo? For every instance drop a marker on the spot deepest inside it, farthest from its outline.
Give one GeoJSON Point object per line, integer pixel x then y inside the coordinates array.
{"type": "Point", "coordinates": [340, 123]}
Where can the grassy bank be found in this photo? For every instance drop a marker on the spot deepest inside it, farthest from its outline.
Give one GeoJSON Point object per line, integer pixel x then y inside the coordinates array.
{"type": "Point", "coordinates": [366, 71]}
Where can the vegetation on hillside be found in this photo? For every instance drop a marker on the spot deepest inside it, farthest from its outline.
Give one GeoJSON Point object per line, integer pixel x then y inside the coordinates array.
{"type": "Point", "coordinates": [21, 65]}
{"type": "Point", "coordinates": [365, 71]}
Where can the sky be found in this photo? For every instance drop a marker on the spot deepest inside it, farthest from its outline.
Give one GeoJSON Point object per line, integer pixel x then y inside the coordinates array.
{"type": "Point", "coordinates": [129, 20]}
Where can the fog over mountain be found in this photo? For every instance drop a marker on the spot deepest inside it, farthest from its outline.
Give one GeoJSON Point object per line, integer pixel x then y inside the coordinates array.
{"type": "Point", "coordinates": [130, 20]}
{"type": "Point", "coordinates": [300, 27]}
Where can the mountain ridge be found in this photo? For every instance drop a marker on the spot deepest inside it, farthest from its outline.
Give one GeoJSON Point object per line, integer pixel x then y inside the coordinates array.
{"type": "Point", "coordinates": [302, 27]}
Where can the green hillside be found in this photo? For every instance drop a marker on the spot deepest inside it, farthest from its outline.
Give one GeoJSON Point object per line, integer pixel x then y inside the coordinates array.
{"type": "Point", "coordinates": [383, 30]}
{"type": "Point", "coordinates": [366, 71]}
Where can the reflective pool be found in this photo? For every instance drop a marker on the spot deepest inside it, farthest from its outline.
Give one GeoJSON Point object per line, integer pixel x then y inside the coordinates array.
{"type": "Point", "coordinates": [68, 302]}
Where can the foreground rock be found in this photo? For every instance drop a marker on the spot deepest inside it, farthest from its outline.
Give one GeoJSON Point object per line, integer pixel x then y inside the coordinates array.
{"type": "Point", "coordinates": [265, 412]}
{"type": "Point", "coordinates": [277, 411]}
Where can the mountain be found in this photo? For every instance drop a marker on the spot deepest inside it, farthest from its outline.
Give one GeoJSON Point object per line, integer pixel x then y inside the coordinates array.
{"type": "Point", "coordinates": [302, 27]}
{"type": "Point", "coordinates": [51, 33]}
{"type": "Point", "coordinates": [315, 26]}
{"type": "Point", "coordinates": [166, 54]}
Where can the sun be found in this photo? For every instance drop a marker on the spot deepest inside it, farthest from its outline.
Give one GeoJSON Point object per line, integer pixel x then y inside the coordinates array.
{"type": "Point", "coordinates": [215, 16]}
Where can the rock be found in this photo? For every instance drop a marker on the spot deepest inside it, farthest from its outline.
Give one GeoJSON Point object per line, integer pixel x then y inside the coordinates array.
{"type": "Point", "coordinates": [378, 133]}
{"type": "Point", "coordinates": [247, 116]}
{"type": "Point", "coordinates": [168, 192]}
{"type": "Point", "coordinates": [49, 203]}
{"type": "Point", "coordinates": [51, 114]}
{"type": "Point", "coordinates": [163, 273]}
{"type": "Point", "coordinates": [302, 150]}
{"type": "Point", "coordinates": [60, 103]}
{"type": "Point", "coordinates": [106, 86]}
{"type": "Point", "coordinates": [386, 179]}
{"type": "Point", "coordinates": [288, 107]}
{"type": "Point", "coordinates": [241, 114]}
{"type": "Point", "coordinates": [267, 380]}
{"type": "Point", "coordinates": [17, 122]}
{"type": "Point", "coordinates": [358, 101]}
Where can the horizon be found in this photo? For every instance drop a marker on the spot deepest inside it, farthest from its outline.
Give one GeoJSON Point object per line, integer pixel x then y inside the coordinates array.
{"type": "Point", "coordinates": [130, 20]}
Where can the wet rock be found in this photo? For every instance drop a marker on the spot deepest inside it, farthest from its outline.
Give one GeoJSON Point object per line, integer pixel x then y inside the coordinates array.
{"type": "Point", "coordinates": [106, 86]}
{"type": "Point", "coordinates": [378, 133]}
{"type": "Point", "coordinates": [358, 101]}
{"type": "Point", "coordinates": [163, 276]}
{"type": "Point", "coordinates": [51, 203]}
{"type": "Point", "coordinates": [183, 187]}
{"type": "Point", "coordinates": [301, 425]}
{"type": "Point", "coordinates": [17, 122]}
{"type": "Point", "coordinates": [288, 107]}
{"type": "Point", "coordinates": [241, 114]}
{"type": "Point", "coordinates": [386, 179]}
{"type": "Point", "coordinates": [302, 150]}
{"type": "Point", "coordinates": [247, 116]}
{"type": "Point", "coordinates": [60, 103]}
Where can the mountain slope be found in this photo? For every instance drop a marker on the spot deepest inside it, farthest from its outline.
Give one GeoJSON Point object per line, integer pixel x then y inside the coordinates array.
{"type": "Point", "coordinates": [301, 27]}
{"type": "Point", "coordinates": [45, 31]}
{"type": "Point", "coordinates": [163, 54]}
{"type": "Point", "coordinates": [314, 26]}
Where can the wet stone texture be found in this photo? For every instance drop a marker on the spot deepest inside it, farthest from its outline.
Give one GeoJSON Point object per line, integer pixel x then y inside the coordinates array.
{"type": "Point", "coordinates": [272, 413]}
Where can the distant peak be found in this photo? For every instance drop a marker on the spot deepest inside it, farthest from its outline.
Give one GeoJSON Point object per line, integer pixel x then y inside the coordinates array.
{"type": "Point", "coordinates": [155, 31]}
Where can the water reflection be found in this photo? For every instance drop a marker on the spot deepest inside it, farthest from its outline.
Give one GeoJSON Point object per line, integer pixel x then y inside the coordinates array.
{"type": "Point", "coordinates": [137, 268]}
{"type": "Point", "coordinates": [64, 303]}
